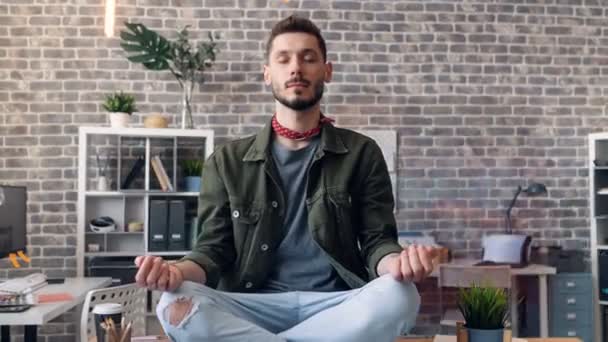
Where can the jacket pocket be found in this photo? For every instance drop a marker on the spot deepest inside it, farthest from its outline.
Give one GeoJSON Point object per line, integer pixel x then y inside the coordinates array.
{"type": "Point", "coordinates": [346, 228]}
{"type": "Point", "coordinates": [342, 204]}
{"type": "Point", "coordinates": [244, 221]}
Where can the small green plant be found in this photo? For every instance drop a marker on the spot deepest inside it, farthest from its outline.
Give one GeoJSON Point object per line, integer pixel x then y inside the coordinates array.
{"type": "Point", "coordinates": [120, 102]}
{"type": "Point", "coordinates": [192, 167]}
{"type": "Point", "coordinates": [484, 307]}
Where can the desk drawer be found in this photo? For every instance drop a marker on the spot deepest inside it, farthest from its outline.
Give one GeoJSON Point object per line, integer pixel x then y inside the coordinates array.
{"type": "Point", "coordinates": [570, 301]}
{"type": "Point", "coordinates": [571, 318]}
{"type": "Point", "coordinates": [570, 283]}
{"type": "Point", "coordinates": [585, 333]}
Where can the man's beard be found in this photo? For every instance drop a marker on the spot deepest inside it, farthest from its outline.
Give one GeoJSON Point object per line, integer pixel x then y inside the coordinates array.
{"type": "Point", "coordinates": [300, 104]}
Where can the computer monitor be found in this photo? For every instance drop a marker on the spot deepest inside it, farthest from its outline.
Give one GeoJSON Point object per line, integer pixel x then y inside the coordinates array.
{"type": "Point", "coordinates": [13, 201]}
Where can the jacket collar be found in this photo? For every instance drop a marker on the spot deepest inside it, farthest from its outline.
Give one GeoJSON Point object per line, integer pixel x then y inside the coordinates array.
{"type": "Point", "coordinates": [330, 142]}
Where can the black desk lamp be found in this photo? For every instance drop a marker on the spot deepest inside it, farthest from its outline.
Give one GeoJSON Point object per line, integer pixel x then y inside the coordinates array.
{"type": "Point", "coordinates": [534, 189]}
{"type": "Point", "coordinates": [509, 248]}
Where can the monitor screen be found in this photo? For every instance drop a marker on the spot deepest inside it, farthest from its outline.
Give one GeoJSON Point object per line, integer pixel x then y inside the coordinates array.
{"type": "Point", "coordinates": [13, 201]}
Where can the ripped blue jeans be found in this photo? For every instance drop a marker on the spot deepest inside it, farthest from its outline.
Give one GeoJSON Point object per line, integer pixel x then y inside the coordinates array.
{"type": "Point", "coordinates": [379, 311]}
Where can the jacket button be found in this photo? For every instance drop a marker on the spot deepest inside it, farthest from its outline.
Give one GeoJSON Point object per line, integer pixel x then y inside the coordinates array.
{"type": "Point", "coordinates": [264, 247]}
{"type": "Point", "coordinates": [248, 285]}
{"type": "Point", "coordinates": [236, 214]}
{"type": "Point", "coordinates": [274, 204]}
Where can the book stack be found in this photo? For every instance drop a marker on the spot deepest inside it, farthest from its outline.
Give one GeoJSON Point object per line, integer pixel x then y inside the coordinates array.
{"type": "Point", "coordinates": [23, 285]}
{"type": "Point", "coordinates": [18, 292]}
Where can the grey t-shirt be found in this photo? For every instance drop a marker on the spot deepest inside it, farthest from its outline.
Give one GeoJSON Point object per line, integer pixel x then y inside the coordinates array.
{"type": "Point", "coordinates": [300, 264]}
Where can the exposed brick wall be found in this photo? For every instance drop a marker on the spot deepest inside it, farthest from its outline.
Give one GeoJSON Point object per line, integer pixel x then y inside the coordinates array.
{"type": "Point", "coordinates": [484, 97]}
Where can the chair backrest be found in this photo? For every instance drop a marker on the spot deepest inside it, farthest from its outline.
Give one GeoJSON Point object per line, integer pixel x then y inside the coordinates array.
{"type": "Point", "coordinates": [132, 298]}
{"type": "Point", "coordinates": [387, 141]}
{"type": "Point", "coordinates": [451, 275]}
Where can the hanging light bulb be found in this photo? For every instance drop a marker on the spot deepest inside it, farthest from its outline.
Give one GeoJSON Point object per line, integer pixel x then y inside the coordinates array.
{"type": "Point", "coordinates": [109, 19]}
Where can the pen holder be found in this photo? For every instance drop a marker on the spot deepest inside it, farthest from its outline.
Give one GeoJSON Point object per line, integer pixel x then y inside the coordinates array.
{"type": "Point", "coordinates": [103, 184]}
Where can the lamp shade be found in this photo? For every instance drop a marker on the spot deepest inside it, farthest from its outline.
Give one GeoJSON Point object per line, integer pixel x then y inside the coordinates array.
{"type": "Point", "coordinates": [535, 189]}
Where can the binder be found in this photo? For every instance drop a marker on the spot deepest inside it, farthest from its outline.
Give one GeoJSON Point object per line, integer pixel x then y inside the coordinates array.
{"type": "Point", "coordinates": [157, 235]}
{"type": "Point", "coordinates": [177, 225]}
{"type": "Point", "coordinates": [135, 171]}
{"type": "Point", "coordinates": [602, 259]}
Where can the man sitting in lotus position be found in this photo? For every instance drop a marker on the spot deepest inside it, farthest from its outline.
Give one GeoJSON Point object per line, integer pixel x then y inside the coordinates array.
{"type": "Point", "coordinates": [298, 238]}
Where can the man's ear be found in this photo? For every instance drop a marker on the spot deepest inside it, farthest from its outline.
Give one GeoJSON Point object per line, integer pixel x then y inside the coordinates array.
{"type": "Point", "coordinates": [267, 78]}
{"type": "Point", "coordinates": [329, 69]}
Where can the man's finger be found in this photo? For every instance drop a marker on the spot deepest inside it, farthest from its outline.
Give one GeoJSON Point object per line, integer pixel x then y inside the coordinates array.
{"type": "Point", "coordinates": [426, 260]}
{"type": "Point", "coordinates": [406, 271]}
{"type": "Point", "coordinates": [173, 281]}
{"type": "Point", "coordinates": [144, 269]}
{"type": "Point", "coordinates": [432, 251]}
{"type": "Point", "coordinates": [163, 280]}
{"type": "Point", "coordinates": [394, 268]}
{"type": "Point", "coordinates": [138, 260]}
{"type": "Point", "coordinates": [415, 263]}
{"type": "Point", "coordinates": [154, 272]}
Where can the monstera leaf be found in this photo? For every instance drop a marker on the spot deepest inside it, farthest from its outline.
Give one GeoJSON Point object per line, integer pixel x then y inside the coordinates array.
{"type": "Point", "coordinates": [147, 47]}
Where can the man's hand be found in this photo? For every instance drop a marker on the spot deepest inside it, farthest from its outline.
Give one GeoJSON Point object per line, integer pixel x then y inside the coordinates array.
{"type": "Point", "coordinates": [157, 274]}
{"type": "Point", "coordinates": [414, 263]}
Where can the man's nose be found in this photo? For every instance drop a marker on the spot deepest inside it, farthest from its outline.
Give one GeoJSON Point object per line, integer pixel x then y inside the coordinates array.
{"type": "Point", "coordinates": [295, 67]}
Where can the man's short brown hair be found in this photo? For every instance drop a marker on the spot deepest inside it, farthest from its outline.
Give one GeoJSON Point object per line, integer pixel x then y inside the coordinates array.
{"type": "Point", "coordinates": [293, 24]}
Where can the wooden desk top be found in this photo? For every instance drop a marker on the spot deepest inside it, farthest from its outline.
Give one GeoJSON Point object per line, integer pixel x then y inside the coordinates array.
{"type": "Point", "coordinates": [549, 339]}
{"type": "Point", "coordinates": [530, 270]}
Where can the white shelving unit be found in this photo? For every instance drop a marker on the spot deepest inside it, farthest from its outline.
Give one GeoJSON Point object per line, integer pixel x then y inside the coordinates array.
{"type": "Point", "coordinates": [122, 146]}
{"type": "Point", "coordinates": [598, 202]}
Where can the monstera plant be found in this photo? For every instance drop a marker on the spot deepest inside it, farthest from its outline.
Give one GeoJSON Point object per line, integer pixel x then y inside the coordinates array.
{"type": "Point", "coordinates": [184, 60]}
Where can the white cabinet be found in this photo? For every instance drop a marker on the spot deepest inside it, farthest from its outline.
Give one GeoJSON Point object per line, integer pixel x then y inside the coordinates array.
{"type": "Point", "coordinates": [116, 151]}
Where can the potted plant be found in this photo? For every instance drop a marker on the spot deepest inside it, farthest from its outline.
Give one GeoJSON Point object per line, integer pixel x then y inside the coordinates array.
{"type": "Point", "coordinates": [192, 170]}
{"type": "Point", "coordinates": [120, 106]}
{"type": "Point", "coordinates": [185, 61]}
{"type": "Point", "coordinates": [485, 311]}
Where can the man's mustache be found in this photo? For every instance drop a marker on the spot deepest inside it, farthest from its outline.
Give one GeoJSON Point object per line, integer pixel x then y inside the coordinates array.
{"type": "Point", "coordinates": [296, 80]}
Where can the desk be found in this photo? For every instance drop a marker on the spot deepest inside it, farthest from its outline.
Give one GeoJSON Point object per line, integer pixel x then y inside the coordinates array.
{"type": "Point", "coordinates": [539, 271]}
{"type": "Point", "coordinates": [550, 339]}
{"type": "Point", "coordinates": [43, 313]}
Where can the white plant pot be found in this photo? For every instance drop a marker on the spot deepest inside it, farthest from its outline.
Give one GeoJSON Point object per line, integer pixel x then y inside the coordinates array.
{"type": "Point", "coordinates": [119, 120]}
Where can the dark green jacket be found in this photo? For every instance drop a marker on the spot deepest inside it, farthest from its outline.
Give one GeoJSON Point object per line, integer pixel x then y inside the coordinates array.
{"type": "Point", "coordinates": [241, 208]}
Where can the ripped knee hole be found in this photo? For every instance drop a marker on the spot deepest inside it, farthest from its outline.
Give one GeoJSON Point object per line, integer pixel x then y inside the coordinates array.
{"type": "Point", "coordinates": [178, 310]}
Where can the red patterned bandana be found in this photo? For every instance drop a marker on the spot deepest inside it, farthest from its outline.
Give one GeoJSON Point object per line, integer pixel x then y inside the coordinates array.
{"type": "Point", "coordinates": [295, 135]}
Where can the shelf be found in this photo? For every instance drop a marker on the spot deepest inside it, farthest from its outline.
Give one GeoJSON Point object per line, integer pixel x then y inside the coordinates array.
{"type": "Point", "coordinates": [115, 233]}
{"type": "Point", "coordinates": [119, 148]}
{"type": "Point", "coordinates": [169, 253]}
{"type": "Point", "coordinates": [602, 246]}
{"type": "Point", "coordinates": [149, 132]}
{"type": "Point", "coordinates": [114, 254]}
{"type": "Point", "coordinates": [603, 302]}
{"type": "Point", "coordinates": [177, 193]}
{"type": "Point", "coordinates": [601, 217]}
{"type": "Point", "coordinates": [136, 193]}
